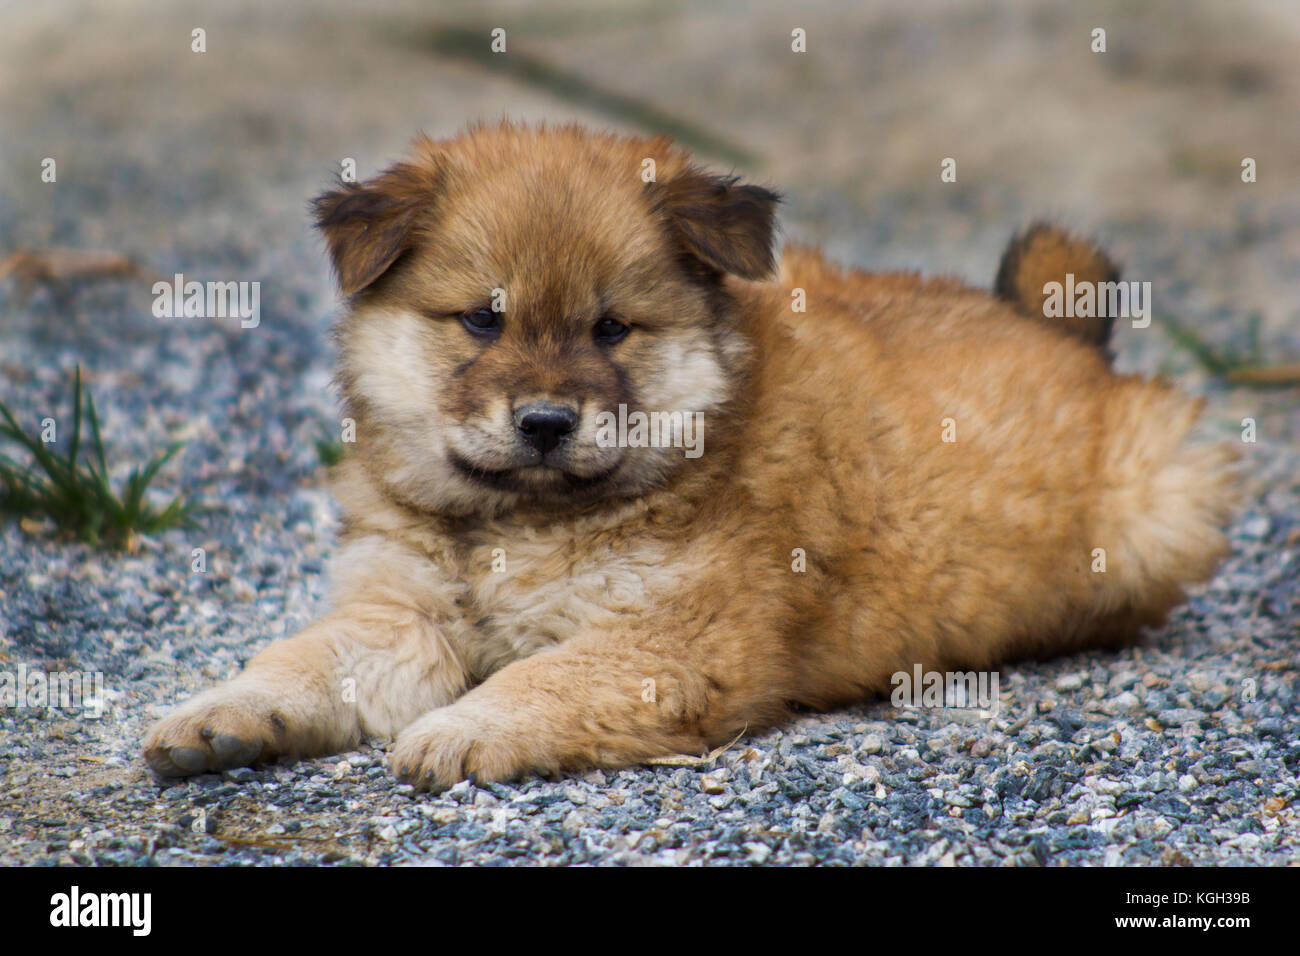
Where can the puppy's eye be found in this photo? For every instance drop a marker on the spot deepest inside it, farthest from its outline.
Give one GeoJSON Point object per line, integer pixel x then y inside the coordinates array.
{"type": "Point", "coordinates": [482, 322]}
{"type": "Point", "coordinates": [610, 330]}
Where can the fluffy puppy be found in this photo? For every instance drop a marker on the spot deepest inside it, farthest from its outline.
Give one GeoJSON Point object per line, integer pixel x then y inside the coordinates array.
{"type": "Point", "coordinates": [905, 472]}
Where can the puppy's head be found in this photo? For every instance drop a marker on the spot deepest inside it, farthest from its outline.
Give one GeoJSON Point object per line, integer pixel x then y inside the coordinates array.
{"type": "Point", "coordinates": [509, 286]}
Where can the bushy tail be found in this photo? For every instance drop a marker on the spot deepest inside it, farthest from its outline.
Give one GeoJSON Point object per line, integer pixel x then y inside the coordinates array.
{"type": "Point", "coordinates": [1044, 253]}
{"type": "Point", "coordinates": [1167, 498]}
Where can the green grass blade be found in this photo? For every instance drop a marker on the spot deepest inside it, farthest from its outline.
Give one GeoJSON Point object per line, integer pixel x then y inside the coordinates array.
{"type": "Point", "coordinates": [79, 496]}
{"type": "Point", "coordinates": [76, 422]}
{"type": "Point", "coordinates": [96, 436]}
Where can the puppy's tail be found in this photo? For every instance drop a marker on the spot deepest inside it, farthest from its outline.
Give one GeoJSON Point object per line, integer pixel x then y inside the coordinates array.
{"type": "Point", "coordinates": [1044, 253]}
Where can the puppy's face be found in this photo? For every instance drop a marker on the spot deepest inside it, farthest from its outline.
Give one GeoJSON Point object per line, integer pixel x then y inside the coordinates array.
{"type": "Point", "coordinates": [510, 286]}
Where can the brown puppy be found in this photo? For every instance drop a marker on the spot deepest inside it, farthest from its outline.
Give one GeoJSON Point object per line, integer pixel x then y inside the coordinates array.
{"type": "Point", "coordinates": [908, 472]}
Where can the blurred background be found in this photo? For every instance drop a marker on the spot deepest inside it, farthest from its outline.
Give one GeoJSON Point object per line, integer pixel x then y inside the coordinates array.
{"type": "Point", "coordinates": [203, 162]}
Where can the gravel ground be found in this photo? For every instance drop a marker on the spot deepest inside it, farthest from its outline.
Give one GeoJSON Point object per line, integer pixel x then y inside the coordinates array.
{"type": "Point", "coordinates": [1183, 750]}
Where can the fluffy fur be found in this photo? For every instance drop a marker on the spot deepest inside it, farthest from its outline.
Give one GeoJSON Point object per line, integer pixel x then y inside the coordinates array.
{"type": "Point", "coordinates": [499, 612]}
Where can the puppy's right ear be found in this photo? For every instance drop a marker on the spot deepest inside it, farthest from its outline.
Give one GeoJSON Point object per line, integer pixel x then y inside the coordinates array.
{"type": "Point", "coordinates": [727, 225]}
{"type": "Point", "coordinates": [367, 226]}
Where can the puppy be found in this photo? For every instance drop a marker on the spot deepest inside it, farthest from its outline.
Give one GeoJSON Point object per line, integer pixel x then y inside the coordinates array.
{"type": "Point", "coordinates": [882, 472]}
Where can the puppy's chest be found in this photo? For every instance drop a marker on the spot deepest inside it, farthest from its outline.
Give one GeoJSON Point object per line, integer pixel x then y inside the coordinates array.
{"type": "Point", "coordinates": [530, 590]}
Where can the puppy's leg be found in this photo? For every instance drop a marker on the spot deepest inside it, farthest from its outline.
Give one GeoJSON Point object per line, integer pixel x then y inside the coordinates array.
{"type": "Point", "coordinates": [365, 669]}
{"type": "Point", "coordinates": [606, 700]}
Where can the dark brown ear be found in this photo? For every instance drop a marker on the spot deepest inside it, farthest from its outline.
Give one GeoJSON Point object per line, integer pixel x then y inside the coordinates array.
{"type": "Point", "coordinates": [368, 225]}
{"type": "Point", "coordinates": [728, 227]}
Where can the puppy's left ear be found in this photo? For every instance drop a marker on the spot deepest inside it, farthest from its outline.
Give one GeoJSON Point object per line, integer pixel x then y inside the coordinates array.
{"type": "Point", "coordinates": [727, 225]}
{"type": "Point", "coordinates": [367, 226]}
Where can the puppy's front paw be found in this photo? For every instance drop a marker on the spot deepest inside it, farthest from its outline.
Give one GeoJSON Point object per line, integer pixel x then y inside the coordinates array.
{"type": "Point", "coordinates": [447, 745]}
{"type": "Point", "coordinates": [228, 726]}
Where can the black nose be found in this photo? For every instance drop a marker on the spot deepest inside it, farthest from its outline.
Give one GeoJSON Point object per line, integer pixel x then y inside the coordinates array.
{"type": "Point", "coordinates": [543, 425]}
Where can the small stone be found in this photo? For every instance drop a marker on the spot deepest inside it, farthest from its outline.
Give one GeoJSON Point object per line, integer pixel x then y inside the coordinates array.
{"type": "Point", "coordinates": [1104, 785]}
{"type": "Point", "coordinates": [709, 783]}
{"type": "Point", "coordinates": [1176, 717]}
{"type": "Point", "coordinates": [758, 852]}
{"type": "Point", "coordinates": [850, 800]}
{"type": "Point", "coordinates": [1160, 781]}
{"type": "Point", "coordinates": [1152, 828]}
{"type": "Point", "coordinates": [1131, 798]}
{"type": "Point", "coordinates": [872, 744]}
{"type": "Point", "coordinates": [1069, 682]}
{"type": "Point", "coordinates": [1270, 727]}
{"type": "Point", "coordinates": [1257, 528]}
{"type": "Point", "coordinates": [460, 792]}
{"type": "Point", "coordinates": [1126, 702]}
{"type": "Point", "coordinates": [1106, 743]}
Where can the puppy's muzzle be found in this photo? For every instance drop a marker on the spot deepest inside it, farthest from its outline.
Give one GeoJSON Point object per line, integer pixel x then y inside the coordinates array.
{"type": "Point", "coordinates": [543, 425]}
